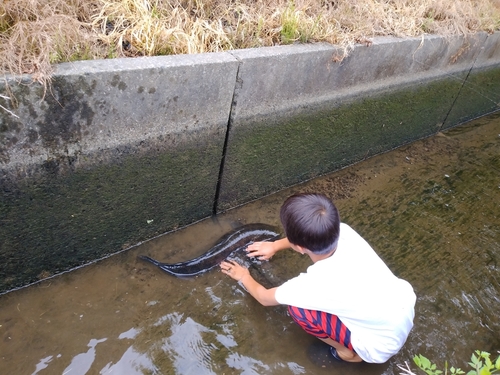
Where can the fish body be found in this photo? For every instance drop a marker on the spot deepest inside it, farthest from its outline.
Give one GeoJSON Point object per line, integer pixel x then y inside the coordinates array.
{"type": "Point", "coordinates": [227, 245]}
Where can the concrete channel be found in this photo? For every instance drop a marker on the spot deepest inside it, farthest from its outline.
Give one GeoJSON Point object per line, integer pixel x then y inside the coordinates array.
{"type": "Point", "coordinates": [118, 151]}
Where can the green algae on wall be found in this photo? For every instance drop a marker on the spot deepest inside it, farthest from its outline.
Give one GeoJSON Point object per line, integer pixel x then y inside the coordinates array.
{"type": "Point", "coordinates": [273, 154]}
{"type": "Point", "coordinates": [62, 220]}
{"type": "Point", "coordinates": [479, 95]}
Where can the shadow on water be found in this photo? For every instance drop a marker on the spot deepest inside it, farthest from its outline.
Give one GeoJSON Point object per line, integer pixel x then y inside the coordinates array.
{"type": "Point", "coordinates": [430, 209]}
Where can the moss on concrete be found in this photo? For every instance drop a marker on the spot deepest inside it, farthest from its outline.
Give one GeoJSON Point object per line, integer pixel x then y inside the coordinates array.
{"type": "Point", "coordinates": [479, 95]}
{"type": "Point", "coordinates": [62, 220]}
{"type": "Point", "coordinates": [276, 153]}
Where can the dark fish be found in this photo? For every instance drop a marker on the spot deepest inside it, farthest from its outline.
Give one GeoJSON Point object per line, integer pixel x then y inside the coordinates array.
{"type": "Point", "coordinates": [228, 244]}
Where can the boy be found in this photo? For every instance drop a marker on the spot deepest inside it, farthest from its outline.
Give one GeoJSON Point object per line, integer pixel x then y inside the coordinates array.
{"type": "Point", "coordinates": [348, 298]}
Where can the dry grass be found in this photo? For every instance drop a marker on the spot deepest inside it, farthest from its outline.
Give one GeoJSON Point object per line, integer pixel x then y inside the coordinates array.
{"type": "Point", "coordinates": [34, 34]}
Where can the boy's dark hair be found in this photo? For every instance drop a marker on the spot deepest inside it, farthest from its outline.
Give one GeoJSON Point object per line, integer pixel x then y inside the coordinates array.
{"type": "Point", "coordinates": [311, 221]}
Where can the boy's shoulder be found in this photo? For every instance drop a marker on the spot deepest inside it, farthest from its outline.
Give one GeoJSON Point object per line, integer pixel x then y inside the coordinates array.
{"type": "Point", "coordinates": [347, 230]}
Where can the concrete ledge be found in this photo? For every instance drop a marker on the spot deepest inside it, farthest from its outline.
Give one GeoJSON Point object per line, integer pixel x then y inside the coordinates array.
{"type": "Point", "coordinates": [282, 78]}
{"type": "Point", "coordinates": [121, 150]}
{"type": "Point", "coordinates": [99, 105]}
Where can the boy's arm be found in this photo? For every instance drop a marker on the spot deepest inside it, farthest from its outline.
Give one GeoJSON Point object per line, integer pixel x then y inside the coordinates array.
{"type": "Point", "coordinates": [265, 296]}
{"type": "Point", "coordinates": [265, 250]}
{"type": "Point", "coordinates": [239, 273]}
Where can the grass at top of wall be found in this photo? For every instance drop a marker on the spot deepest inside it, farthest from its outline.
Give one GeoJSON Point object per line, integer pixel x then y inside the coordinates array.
{"type": "Point", "coordinates": [34, 34]}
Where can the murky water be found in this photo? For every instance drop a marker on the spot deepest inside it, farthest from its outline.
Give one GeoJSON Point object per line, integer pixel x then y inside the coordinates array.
{"type": "Point", "coordinates": [430, 209]}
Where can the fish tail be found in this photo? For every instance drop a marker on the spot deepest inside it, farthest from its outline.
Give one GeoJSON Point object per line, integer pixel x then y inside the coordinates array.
{"type": "Point", "coordinates": [146, 258]}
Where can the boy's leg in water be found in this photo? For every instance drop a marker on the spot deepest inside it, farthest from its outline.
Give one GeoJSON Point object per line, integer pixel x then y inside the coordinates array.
{"type": "Point", "coordinates": [328, 328]}
{"type": "Point", "coordinates": [344, 353]}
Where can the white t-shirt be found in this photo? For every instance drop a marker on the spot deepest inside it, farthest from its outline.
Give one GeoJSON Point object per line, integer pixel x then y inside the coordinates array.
{"type": "Point", "coordinates": [357, 286]}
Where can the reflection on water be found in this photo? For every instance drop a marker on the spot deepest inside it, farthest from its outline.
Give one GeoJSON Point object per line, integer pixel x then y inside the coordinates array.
{"type": "Point", "coordinates": [430, 209]}
{"type": "Point", "coordinates": [131, 363]}
{"type": "Point", "coordinates": [81, 363]}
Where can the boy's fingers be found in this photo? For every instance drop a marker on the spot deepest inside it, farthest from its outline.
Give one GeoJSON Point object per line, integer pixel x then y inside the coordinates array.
{"type": "Point", "coordinates": [227, 264]}
{"type": "Point", "coordinates": [253, 252]}
{"type": "Point", "coordinates": [253, 246]}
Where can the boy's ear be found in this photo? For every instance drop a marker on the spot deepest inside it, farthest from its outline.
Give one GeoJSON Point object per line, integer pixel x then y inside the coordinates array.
{"type": "Point", "coordinates": [297, 248]}
{"type": "Point", "coordinates": [301, 249]}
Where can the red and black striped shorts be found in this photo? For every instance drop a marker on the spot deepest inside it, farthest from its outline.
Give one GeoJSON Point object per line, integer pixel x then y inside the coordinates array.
{"type": "Point", "coordinates": [322, 325]}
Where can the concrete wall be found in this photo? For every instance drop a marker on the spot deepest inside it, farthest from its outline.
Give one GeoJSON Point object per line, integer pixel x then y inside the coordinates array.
{"type": "Point", "coordinates": [118, 151]}
{"type": "Point", "coordinates": [298, 113]}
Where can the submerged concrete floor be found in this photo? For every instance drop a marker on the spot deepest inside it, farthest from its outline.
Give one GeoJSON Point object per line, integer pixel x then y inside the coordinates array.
{"type": "Point", "coordinates": [430, 209]}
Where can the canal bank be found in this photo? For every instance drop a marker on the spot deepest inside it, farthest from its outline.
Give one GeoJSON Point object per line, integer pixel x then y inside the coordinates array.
{"type": "Point", "coordinates": [119, 151]}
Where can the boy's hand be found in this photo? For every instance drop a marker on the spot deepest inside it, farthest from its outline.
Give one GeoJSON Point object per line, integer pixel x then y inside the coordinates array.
{"type": "Point", "coordinates": [261, 250]}
{"type": "Point", "coordinates": [234, 270]}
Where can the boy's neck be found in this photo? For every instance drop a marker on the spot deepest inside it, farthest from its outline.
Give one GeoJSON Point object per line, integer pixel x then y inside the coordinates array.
{"type": "Point", "coordinates": [317, 257]}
